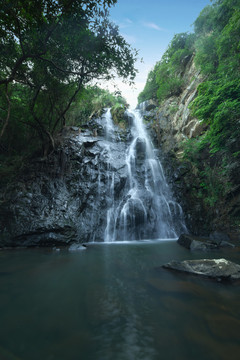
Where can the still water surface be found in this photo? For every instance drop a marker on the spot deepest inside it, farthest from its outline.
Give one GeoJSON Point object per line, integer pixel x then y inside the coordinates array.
{"type": "Point", "coordinates": [113, 302]}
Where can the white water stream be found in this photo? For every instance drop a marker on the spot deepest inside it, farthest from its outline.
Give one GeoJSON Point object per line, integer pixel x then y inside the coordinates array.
{"type": "Point", "coordinates": [146, 209]}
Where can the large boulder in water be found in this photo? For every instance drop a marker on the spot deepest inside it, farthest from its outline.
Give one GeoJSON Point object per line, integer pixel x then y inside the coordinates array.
{"type": "Point", "coordinates": [218, 269]}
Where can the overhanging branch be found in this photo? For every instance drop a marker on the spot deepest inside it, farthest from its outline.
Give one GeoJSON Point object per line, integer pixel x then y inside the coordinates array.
{"type": "Point", "coordinates": [8, 113]}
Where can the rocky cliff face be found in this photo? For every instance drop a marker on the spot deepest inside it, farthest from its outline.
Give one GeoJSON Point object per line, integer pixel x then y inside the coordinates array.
{"type": "Point", "coordinates": [60, 200]}
{"type": "Point", "coordinates": [102, 182]}
{"type": "Point", "coordinates": [171, 123]}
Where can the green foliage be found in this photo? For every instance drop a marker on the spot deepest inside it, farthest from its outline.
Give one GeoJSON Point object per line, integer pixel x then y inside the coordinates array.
{"type": "Point", "coordinates": [181, 45]}
{"type": "Point", "coordinates": [117, 112]}
{"type": "Point", "coordinates": [91, 102]}
{"type": "Point", "coordinates": [49, 51]}
{"type": "Point", "coordinates": [171, 87]}
{"type": "Point", "coordinates": [210, 176]}
{"type": "Point", "coordinates": [217, 45]}
{"type": "Point", "coordinates": [206, 54]}
{"type": "Point", "coordinates": [165, 79]}
{"type": "Point", "coordinates": [151, 87]}
{"type": "Point", "coordinates": [216, 48]}
{"type": "Point", "coordinates": [205, 22]}
{"type": "Point", "coordinates": [218, 100]}
{"type": "Point", "coordinates": [193, 149]}
{"type": "Point", "coordinates": [173, 109]}
{"type": "Point", "coordinates": [214, 184]}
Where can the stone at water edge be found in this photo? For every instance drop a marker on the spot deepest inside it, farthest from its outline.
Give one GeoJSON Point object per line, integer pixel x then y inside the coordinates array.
{"type": "Point", "coordinates": [192, 242]}
{"type": "Point", "coordinates": [218, 269]}
{"type": "Point", "coordinates": [77, 247]}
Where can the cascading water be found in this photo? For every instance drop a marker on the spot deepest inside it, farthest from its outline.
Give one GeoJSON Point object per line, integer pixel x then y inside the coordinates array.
{"type": "Point", "coordinates": [145, 209]}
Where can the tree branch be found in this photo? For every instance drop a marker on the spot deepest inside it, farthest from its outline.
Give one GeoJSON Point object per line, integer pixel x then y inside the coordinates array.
{"type": "Point", "coordinates": [58, 68]}
{"type": "Point", "coordinates": [62, 114]}
{"type": "Point", "coordinates": [29, 56]}
{"type": "Point", "coordinates": [8, 113]}
{"type": "Point", "coordinates": [17, 65]}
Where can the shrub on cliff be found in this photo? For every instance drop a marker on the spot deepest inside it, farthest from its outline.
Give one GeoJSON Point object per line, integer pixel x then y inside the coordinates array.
{"type": "Point", "coordinates": [117, 112]}
{"type": "Point", "coordinates": [165, 79]}
{"type": "Point", "coordinates": [91, 102]}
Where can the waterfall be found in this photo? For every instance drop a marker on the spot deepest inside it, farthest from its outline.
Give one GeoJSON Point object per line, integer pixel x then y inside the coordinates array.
{"type": "Point", "coordinates": [109, 126]}
{"type": "Point", "coordinates": [146, 208]}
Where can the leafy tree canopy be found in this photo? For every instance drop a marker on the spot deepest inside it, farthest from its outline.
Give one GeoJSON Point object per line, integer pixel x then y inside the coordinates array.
{"type": "Point", "coordinates": [49, 51]}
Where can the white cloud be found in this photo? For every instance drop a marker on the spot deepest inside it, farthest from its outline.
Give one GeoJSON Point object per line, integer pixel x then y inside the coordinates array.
{"type": "Point", "coordinates": [153, 26]}
{"type": "Point", "coordinates": [126, 23]}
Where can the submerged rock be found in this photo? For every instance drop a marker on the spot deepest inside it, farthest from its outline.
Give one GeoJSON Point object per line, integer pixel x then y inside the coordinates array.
{"type": "Point", "coordinates": [218, 269]}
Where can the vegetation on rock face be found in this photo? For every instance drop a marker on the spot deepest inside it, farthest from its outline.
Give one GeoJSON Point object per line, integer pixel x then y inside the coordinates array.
{"type": "Point", "coordinates": [218, 101]}
{"type": "Point", "coordinates": [117, 112]}
{"type": "Point", "coordinates": [49, 52]}
{"type": "Point", "coordinates": [215, 46]}
{"type": "Point", "coordinates": [91, 102]}
{"type": "Point", "coordinates": [165, 79]}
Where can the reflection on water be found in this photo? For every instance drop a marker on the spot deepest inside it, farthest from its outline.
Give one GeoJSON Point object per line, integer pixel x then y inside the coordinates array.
{"type": "Point", "coordinates": [114, 302]}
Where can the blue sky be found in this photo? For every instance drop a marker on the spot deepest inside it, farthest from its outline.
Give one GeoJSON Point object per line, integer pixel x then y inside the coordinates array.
{"type": "Point", "coordinates": [149, 26]}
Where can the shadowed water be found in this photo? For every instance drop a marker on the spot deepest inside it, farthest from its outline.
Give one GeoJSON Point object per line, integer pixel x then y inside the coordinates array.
{"type": "Point", "coordinates": [114, 301]}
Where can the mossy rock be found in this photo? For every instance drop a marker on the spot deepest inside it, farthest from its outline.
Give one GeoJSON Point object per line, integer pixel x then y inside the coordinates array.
{"type": "Point", "coordinates": [117, 112]}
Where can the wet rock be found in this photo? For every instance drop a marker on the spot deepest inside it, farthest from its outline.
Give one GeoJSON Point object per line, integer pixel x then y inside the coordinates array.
{"type": "Point", "coordinates": [77, 247]}
{"type": "Point", "coordinates": [68, 131]}
{"type": "Point", "coordinates": [63, 199]}
{"type": "Point", "coordinates": [219, 237]}
{"type": "Point", "coordinates": [78, 194]}
{"type": "Point", "coordinates": [140, 151]}
{"type": "Point", "coordinates": [95, 126]}
{"type": "Point", "coordinates": [195, 243]}
{"type": "Point", "coordinates": [147, 105]}
{"type": "Point", "coordinates": [45, 236]}
{"type": "Point", "coordinates": [218, 269]}
{"type": "Point", "coordinates": [192, 242]}
{"type": "Point", "coordinates": [128, 118]}
{"type": "Point", "coordinates": [193, 128]}
{"type": "Point", "coordinates": [150, 105]}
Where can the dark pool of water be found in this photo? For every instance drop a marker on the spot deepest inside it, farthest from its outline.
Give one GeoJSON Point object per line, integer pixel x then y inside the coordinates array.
{"type": "Point", "coordinates": [112, 302]}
